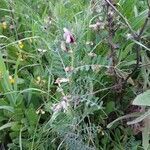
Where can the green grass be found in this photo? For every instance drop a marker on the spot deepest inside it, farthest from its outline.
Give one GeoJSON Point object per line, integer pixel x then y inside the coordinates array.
{"type": "Point", "coordinates": [56, 95]}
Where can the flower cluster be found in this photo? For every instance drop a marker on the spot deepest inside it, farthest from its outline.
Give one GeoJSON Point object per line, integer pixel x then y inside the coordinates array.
{"type": "Point", "coordinates": [62, 105]}
{"type": "Point", "coordinates": [11, 79]}
{"type": "Point", "coordinates": [68, 36]}
{"type": "Point", "coordinates": [4, 25]}
{"type": "Point", "coordinates": [20, 44]}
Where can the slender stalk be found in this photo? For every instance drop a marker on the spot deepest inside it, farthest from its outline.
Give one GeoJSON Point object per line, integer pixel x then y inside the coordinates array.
{"type": "Point", "coordinates": [124, 19]}
{"type": "Point", "coordinates": [113, 54]}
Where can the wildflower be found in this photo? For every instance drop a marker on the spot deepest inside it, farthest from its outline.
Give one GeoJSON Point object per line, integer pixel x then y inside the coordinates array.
{"type": "Point", "coordinates": [21, 56]}
{"type": "Point", "coordinates": [61, 80]}
{"type": "Point", "coordinates": [69, 69]}
{"type": "Point", "coordinates": [89, 43]}
{"type": "Point", "coordinates": [20, 44]}
{"type": "Point", "coordinates": [4, 25]}
{"type": "Point", "coordinates": [95, 67]}
{"type": "Point", "coordinates": [39, 81]}
{"type": "Point", "coordinates": [42, 50]}
{"type": "Point", "coordinates": [68, 36]}
{"type": "Point", "coordinates": [62, 105]}
{"type": "Point", "coordinates": [40, 111]}
{"type": "Point", "coordinates": [92, 54]}
{"type": "Point", "coordinates": [56, 107]}
{"type": "Point", "coordinates": [129, 36]}
{"type": "Point", "coordinates": [11, 79]}
{"type": "Point", "coordinates": [97, 25]}
{"type": "Point", "coordinates": [100, 130]}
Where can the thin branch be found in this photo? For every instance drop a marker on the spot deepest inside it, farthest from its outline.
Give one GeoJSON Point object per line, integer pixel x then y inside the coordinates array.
{"type": "Point", "coordinates": [113, 53]}
{"type": "Point", "coordinates": [111, 31]}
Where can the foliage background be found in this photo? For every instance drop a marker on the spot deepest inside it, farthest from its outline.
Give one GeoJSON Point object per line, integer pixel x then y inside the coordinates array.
{"type": "Point", "coordinates": [34, 58]}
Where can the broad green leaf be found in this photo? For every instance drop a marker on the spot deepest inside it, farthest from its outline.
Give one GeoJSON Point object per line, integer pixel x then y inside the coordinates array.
{"type": "Point", "coordinates": [110, 107]}
{"type": "Point", "coordinates": [143, 99]}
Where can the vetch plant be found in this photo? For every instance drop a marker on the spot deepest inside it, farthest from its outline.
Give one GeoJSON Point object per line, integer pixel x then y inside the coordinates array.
{"type": "Point", "coordinates": [68, 36]}
{"type": "Point", "coordinates": [70, 69]}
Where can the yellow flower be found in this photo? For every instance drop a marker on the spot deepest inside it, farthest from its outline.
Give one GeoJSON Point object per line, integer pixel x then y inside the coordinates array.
{"type": "Point", "coordinates": [62, 80]}
{"type": "Point", "coordinates": [11, 80]}
{"type": "Point", "coordinates": [20, 44]}
{"type": "Point", "coordinates": [40, 111]}
{"type": "Point", "coordinates": [4, 25]}
{"type": "Point", "coordinates": [38, 80]}
{"type": "Point", "coordinates": [100, 130]}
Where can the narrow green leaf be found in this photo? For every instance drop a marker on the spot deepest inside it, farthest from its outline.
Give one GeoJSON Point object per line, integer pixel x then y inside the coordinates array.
{"type": "Point", "coordinates": [9, 108]}
{"type": "Point", "coordinates": [123, 117]}
{"type": "Point", "coordinates": [126, 51]}
{"type": "Point", "coordinates": [7, 125]}
{"type": "Point", "coordinates": [4, 82]}
{"type": "Point", "coordinates": [142, 45]}
{"type": "Point", "coordinates": [139, 119]}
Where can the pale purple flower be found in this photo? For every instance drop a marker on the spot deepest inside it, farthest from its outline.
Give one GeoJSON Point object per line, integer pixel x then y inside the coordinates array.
{"type": "Point", "coordinates": [61, 106]}
{"type": "Point", "coordinates": [97, 26]}
{"type": "Point", "coordinates": [68, 36]}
